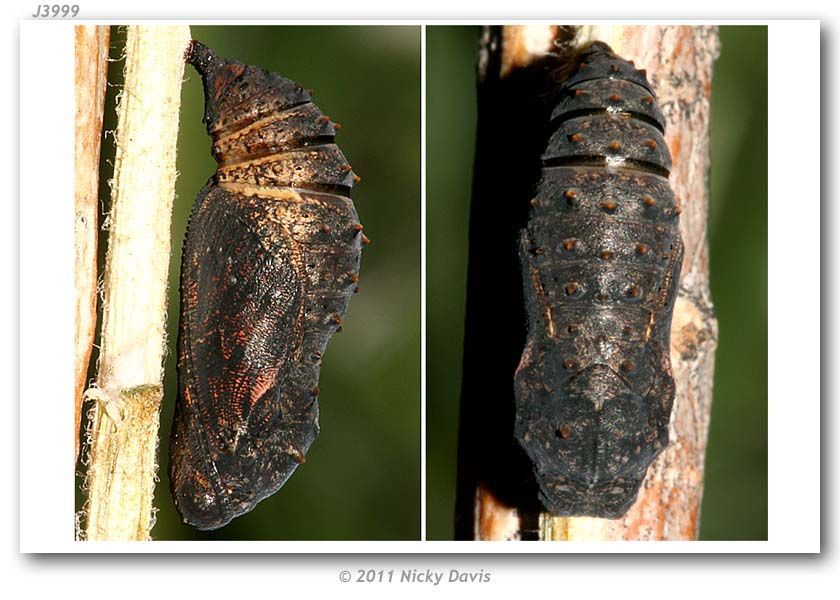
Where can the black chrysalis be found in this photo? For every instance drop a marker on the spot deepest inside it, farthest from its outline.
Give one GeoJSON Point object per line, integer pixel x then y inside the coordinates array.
{"type": "Point", "coordinates": [601, 257]}
{"type": "Point", "coordinates": [270, 260]}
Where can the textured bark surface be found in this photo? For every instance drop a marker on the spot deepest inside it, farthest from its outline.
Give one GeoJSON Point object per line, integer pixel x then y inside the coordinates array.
{"type": "Point", "coordinates": [124, 421]}
{"type": "Point", "coordinates": [521, 44]}
{"type": "Point", "coordinates": [91, 77]}
{"type": "Point", "coordinates": [679, 64]}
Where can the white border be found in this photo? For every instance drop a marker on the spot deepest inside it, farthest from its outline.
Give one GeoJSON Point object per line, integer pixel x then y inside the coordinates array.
{"type": "Point", "coordinates": [46, 180]}
{"type": "Point", "coordinates": [47, 113]}
{"type": "Point", "coordinates": [793, 404]}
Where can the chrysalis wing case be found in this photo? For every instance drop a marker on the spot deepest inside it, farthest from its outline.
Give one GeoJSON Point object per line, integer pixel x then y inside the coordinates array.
{"type": "Point", "coordinates": [270, 260]}
{"type": "Point", "coordinates": [601, 259]}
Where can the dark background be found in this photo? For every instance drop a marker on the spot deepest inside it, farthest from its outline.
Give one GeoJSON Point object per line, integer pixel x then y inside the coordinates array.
{"type": "Point", "coordinates": [735, 497]}
{"type": "Point", "coordinates": [361, 480]}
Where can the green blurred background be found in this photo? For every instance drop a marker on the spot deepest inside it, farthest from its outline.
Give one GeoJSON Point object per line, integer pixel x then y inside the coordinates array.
{"type": "Point", "coordinates": [361, 480]}
{"type": "Point", "coordinates": [735, 496]}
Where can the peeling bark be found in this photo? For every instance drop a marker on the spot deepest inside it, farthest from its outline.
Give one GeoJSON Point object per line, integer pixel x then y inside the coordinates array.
{"type": "Point", "coordinates": [91, 77]}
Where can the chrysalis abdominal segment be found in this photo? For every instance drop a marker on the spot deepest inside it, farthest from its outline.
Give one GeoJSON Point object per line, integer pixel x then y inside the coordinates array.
{"type": "Point", "coordinates": [601, 257]}
{"type": "Point", "coordinates": [270, 259]}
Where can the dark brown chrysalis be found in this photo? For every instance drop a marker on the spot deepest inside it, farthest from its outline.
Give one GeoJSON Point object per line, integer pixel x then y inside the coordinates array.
{"type": "Point", "coordinates": [601, 258]}
{"type": "Point", "coordinates": [270, 260]}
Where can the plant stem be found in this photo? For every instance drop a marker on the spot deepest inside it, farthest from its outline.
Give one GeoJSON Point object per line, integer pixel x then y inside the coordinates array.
{"type": "Point", "coordinates": [91, 77]}
{"type": "Point", "coordinates": [124, 425]}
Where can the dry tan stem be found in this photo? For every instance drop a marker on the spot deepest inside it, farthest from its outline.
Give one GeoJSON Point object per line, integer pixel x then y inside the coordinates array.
{"type": "Point", "coordinates": [125, 417]}
{"type": "Point", "coordinates": [494, 520]}
{"type": "Point", "coordinates": [91, 77]}
{"type": "Point", "coordinates": [679, 64]}
{"type": "Point", "coordinates": [523, 43]}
